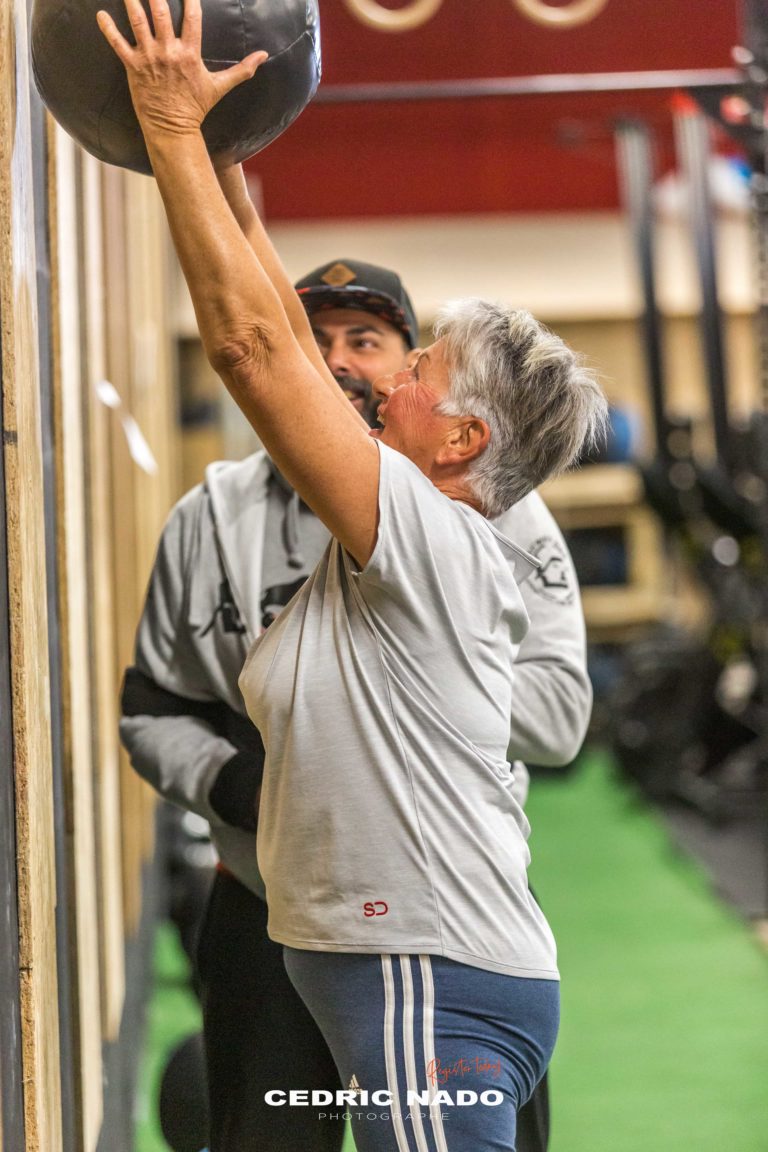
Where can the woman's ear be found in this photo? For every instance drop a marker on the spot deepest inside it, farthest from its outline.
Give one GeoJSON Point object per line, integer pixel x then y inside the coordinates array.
{"type": "Point", "coordinates": [467, 439]}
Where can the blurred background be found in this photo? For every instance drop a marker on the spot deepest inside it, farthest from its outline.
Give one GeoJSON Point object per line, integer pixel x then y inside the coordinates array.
{"type": "Point", "coordinates": [610, 176]}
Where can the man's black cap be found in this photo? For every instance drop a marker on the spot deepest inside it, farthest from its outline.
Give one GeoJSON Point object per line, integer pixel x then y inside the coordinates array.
{"type": "Point", "coordinates": [353, 284]}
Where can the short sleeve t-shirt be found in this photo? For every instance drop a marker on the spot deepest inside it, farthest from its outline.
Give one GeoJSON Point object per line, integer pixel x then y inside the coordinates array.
{"type": "Point", "coordinates": [387, 820]}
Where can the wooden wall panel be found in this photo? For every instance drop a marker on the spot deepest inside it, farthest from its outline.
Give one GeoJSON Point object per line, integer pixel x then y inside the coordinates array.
{"type": "Point", "coordinates": [148, 401]}
{"type": "Point", "coordinates": [139, 366]}
{"type": "Point", "coordinates": [110, 304]}
{"type": "Point", "coordinates": [101, 584]}
{"type": "Point", "coordinates": [66, 214]}
{"type": "Point", "coordinates": [118, 359]}
{"type": "Point", "coordinates": [27, 595]}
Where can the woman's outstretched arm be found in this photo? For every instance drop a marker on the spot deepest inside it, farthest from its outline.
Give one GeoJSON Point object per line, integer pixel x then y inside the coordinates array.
{"type": "Point", "coordinates": [306, 424]}
{"type": "Point", "coordinates": [233, 184]}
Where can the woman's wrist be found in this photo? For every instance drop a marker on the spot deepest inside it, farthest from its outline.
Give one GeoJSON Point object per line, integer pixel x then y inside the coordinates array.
{"type": "Point", "coordinates": [169, 142]}
{"type": "Point", "coordinates": [155, 130]}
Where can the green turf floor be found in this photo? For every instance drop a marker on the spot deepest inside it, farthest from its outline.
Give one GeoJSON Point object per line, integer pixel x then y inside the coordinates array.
{"type": "Point", "coordinates": [172, 1014]}
{"type": "Point", "coordinates": [664, 1040]}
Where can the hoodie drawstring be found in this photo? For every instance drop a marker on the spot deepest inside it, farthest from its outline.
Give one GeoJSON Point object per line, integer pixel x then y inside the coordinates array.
{"type": "Point", "coordinates": [291, 532]}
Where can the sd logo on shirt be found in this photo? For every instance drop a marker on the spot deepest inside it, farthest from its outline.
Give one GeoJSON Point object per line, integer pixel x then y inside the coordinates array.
{"type": "Point", "coordinates": [375, 908]}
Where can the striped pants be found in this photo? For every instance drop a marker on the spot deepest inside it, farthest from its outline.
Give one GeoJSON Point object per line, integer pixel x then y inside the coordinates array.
{"type": "Point", "coordinates": [434, 1056]}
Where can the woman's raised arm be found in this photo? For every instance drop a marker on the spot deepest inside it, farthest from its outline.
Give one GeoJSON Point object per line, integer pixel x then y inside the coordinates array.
{"type": "Point", "coordinates": [233, 184]}
{"type": "Point", "coordinates": [306, 424]}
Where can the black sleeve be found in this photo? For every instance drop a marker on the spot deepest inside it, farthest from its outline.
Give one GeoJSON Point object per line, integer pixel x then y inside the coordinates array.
{"type": "Point", "coordinates": [235, 792]}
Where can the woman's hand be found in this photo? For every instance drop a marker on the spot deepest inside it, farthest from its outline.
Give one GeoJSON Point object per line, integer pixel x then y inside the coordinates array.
{"type": "Point", "coordinates": [171, 88]}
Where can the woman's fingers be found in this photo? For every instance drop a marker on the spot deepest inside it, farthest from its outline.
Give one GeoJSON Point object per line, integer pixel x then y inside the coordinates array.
{"type": "Point", "coordinates": [196, 89]}
{"type": "Point", "coordinates": [113, 36]}
{"type": "Point", "coordinates": [230, 78]}
{"type": "Point", "coordinates": [161, 18]}
{"type": "Point", "coordinates": [192, 25]}
{"type": "Point", "coordinates": [137, 18]}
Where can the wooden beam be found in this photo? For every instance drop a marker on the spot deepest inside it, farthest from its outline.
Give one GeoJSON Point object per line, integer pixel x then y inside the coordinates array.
{"type": "Point", "coordinates": [74, 614]}
{"type": "Point", "coordinates": [121, 329]}
{"type": "Point", "coordinates": [23, 495]}
{"type": "Point", "coordinates": [102, 579]}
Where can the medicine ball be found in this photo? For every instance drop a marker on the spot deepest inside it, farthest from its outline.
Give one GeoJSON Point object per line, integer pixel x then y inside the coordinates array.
{"type": "Point", "coordinates": [84, 85]}
{"type": "Point", "coordinates": [183, 1104]}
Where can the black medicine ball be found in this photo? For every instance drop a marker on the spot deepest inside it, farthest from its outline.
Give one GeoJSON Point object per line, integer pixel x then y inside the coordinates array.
{"type": "Point", "coordinates": [184, 1097]}
{"type": "Point", "coordinates": [84, 86]}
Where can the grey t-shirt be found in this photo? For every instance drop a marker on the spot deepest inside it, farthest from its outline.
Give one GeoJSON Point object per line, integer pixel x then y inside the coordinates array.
{"type": "Point", "coordinates": [387, 820]}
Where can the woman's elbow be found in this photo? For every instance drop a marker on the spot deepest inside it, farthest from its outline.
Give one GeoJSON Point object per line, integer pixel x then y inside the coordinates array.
{"type": "Point", "coordinates": [239, 353]}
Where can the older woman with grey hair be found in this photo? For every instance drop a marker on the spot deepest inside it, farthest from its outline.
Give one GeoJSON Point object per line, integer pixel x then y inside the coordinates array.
{"type": "Point", "coordinates": [393, 852]}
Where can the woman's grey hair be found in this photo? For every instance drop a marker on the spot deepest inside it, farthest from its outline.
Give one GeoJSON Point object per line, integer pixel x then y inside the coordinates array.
{"type": "Point", "coordinates": [543, 407]}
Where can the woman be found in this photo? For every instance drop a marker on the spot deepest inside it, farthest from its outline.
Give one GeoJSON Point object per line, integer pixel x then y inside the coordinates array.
{"type": "Point", "coordinates": [393, 853]}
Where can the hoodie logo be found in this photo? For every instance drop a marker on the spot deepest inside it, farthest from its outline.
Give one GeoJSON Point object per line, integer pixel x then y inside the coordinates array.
{"type": "Point", "coordinates": [552, 579]}
{"type": "Point", "coordinates": [228, 610]}
{"type": "Point", "coordinates": [275, 599]}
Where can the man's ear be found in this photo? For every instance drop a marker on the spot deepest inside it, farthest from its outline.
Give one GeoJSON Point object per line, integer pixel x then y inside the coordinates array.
{"type": "Point", "coordinates": [467, 439]}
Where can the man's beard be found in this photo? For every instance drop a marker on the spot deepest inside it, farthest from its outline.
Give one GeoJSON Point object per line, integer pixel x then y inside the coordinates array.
{"type": "Point", "coordinates": [360, 393]}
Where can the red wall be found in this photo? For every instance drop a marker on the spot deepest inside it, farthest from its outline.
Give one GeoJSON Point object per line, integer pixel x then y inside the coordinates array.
{"type": "Point", "coordinates": [497, 155]}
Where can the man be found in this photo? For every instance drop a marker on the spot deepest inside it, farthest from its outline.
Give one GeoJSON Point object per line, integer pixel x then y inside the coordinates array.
{"type": "Point", "coordinates": [185, 727]}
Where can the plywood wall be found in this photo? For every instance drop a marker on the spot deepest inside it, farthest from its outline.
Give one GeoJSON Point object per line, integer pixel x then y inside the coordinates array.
{"type": "Point", "coordinates": [139, 366]}
{"type": "Point", "coordinates": [101, 579]}
{"type": "Point", "coordinates": [75, 671]}
{"type": "Point", "coordinates": [116, 385]}
{"type": "Point", "coordinates": [107, 502]}
{"type": "Point", "coordinates": [23, 497]}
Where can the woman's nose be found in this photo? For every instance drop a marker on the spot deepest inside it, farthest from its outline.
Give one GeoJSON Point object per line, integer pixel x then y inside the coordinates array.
{"type": "Point", "coordinates": [383, 386]}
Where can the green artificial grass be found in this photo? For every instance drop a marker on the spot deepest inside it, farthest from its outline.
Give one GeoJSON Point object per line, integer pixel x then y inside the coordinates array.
{"type": "Point", "coordinates": [664, 1038]}
{"type": "Point", "coordinates": [173, 1014]}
